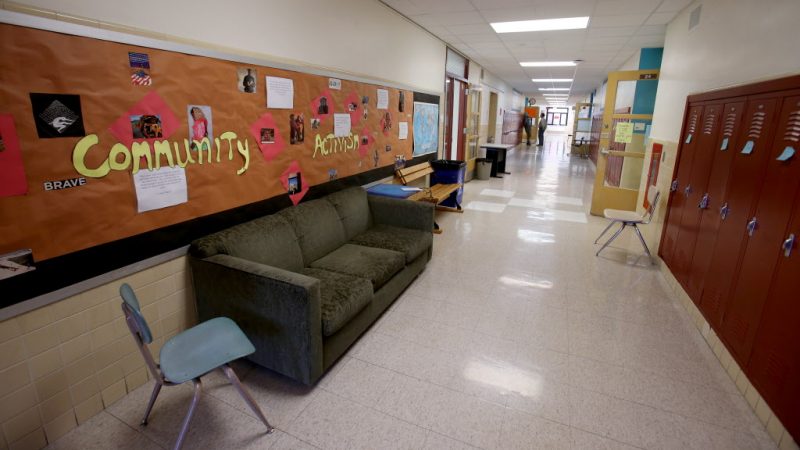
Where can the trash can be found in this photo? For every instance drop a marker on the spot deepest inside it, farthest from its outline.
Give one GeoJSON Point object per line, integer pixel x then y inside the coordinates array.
{"type": "Point", "coordinates": [448, 171]}
{"type": "Point", "coordinates": [483, 168]}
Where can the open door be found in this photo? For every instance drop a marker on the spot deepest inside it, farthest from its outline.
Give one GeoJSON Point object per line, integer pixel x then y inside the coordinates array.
{"type": "Point", "coordinates": [492, 130]}
{"type": "Point", "coordinates": [623, 139]}
{"type": "Point", "coordinates": [473, 126]}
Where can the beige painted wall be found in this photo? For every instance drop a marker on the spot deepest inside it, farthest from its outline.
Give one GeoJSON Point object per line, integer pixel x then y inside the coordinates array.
{"type": "Point", "coordinates": [63, 363]}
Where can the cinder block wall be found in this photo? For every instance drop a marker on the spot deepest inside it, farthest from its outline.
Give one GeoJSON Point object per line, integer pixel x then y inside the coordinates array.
{"type": "Point", "coordinates": [63, 363]}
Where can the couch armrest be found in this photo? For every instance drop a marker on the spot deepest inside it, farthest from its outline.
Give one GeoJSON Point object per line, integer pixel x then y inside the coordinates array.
{"type": "Point", "coordinates": [401, 213]}
{"type": "Point", "coordinates": [277, 309]}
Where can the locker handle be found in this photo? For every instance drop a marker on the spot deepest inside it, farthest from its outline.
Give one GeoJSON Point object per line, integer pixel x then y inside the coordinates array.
{"type": "Point", "coordinates": [788, 244]}
{"type": "Point", "coordinates": [703, 202]}
{"type": "Point", "coordinates": [751, 226]}
{"type": "Point", "coordinates": [688, 190]}
{"type": "Point", "coordinates": [674, 186]}
{"type": "Point", "coordinates": [723, 212]}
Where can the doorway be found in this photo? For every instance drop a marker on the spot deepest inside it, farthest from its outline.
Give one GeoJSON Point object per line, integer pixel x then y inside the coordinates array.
{"type": "Point", "coordinates": [490, 134]}
{"type": "Point", "coordinates": [456, 112]}
{"type": "Point", "coordinates": [623, 138]}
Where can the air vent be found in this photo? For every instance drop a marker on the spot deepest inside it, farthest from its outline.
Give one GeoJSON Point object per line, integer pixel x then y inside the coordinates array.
{"type": "Point", "coordinates": [693, 122]}
{"type": "Point", "coordinates": [793, 127]}
{"type": "Point", "coordinates": [694, 17]}
{"type": "Point", "coordinates": [730, 122]}
{"type": "Point", "coordinates": [756, 124]}
{"type": "Point", "coordinates": [709, 125]}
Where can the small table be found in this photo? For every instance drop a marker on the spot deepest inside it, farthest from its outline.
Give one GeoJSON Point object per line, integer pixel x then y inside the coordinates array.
{"type": "Point", "coordinates": [497, 154]}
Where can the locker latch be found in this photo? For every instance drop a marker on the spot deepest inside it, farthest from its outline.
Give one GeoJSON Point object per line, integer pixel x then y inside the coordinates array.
{"type": "Point", "coordinates": [688, 190]}
{"type": "Point", "coordinates": [703, 202]}
{"type": "Point", "coordinates": [723, 212]}
{"type": "Point", "coordinates": [788, 244]}
{"type": "Point", "coordinates": [674, 186]}
{"type": "Point", "coordinates": [751, 226]}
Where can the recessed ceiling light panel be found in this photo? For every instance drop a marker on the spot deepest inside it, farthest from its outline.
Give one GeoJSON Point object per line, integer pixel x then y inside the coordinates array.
{"type": "Point", "coordinates": [553, 89]}
{"type": "Point", "coordinates": [551, 80]}
{"type": "Point", "coordinates": [548, 64]}
{"type": "Point", "coordinates": [520, 26]}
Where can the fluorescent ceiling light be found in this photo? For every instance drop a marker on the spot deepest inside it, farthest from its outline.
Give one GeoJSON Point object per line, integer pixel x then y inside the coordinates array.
{"type": "Point", "coordinates": [548, 64]}
{"type": "Point", "coordinates": [551, 80]}
{"type": "Point", "coordinates": [556, 95]}
{"type": "Point", "coordinates": [553, 89]}
{"type": "Point", "coordinates": [565, 23]}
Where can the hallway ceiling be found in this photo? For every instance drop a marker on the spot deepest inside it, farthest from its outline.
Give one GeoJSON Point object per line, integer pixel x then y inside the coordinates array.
{"type": "Point", "coordinates": [617, 29]}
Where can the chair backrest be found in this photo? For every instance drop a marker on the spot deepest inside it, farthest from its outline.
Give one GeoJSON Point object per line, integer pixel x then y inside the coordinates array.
{"type": "Point", "coordinates": [138, 326]}
{"type": "Point", "coordinates": [652, 198]}
{"type": "Point", "coordinates": [411, 173]}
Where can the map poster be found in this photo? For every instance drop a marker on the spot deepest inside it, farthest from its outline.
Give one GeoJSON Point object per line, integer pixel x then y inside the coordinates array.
{"type": "Point", "coordinates": [426, 128]}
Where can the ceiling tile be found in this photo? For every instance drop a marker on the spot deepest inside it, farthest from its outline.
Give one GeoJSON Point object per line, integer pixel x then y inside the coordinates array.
{"type": "Point", "coordinates": [651, 30]}
{"type": "Point", "coordinates": [628, 20]}
{"type": "Point", "coordinates": [457, 18]}
{"type": "Point", "coordinates": [673, 5]}
{"type": "Point", "coordinates": [509, 14]}
{"type": "Point", "coordinates": [404, 7]}
{"type": "Point", "coordinates": [548, 9]}
{"type": "Point", "coordinates": [443, 6]}
{"type": "Point", "coordinates": [500, 4]}
{"type": "Point", "coordinates": [622, 7]}
{"type": "Point", "coordinates": [482, 29]}
{"type": "Point", "coordinates": [660, 18]}
{"type": "Point", "coordinates": [481, 39]}
{"type": "Point", "coordinates": [592, 33]}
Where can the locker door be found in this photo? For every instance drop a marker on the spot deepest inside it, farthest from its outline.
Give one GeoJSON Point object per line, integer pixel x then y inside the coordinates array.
{"type": "Point", "coordinates": [724, 149]}
{"type": "Point", "coordinates": [774, 367]}
{"type": "Point", "coordinates": [767, 231]}
{"type": "Point", "coordinates": [694, 193]}
{"type": "Point", "coordinates": [747, 171]}
{"type": "Point", "coordinates": [677, 199]}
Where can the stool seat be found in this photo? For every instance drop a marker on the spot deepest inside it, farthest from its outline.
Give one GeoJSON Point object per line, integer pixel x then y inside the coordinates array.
{"type": "Point", "coordinates": [621, 215]}
{"type": "Point", "coordinates": [203, 348]}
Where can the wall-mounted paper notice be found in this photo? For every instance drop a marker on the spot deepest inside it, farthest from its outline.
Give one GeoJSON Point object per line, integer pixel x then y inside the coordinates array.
{"type": "Point", "coordinates": [748, 147]}
{"type": "Point", "coordinates": [335, 83]}
{"type": "Point", "coordinates": [403, 127]}
{"type": "Point", "coordinates": [383, 99]}
{"type": "Point", "coordinates": [724, 145]}
{"type": "Point", "coordinates": [280, 93]}
{"type": "Point", "coordinates": [341, 125]}
{"type": "Point", "coordinates": [160, 188]}
{"type": "Point", "coordinates": [624, 133]}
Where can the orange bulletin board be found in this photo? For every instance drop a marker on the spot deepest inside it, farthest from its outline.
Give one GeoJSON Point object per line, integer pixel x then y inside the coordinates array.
{"type": "Point", "coordinates": [242, 166]}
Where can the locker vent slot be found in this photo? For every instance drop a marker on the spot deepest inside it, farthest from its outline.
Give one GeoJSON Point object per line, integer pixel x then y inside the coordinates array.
{"type": "Point", "coordinates": [693, 123]}
{"type": "Point", "coordinates": [793, 127]}
{"type": "Point", "coordinates": [730, 122]}
{"type": "Point", "coordinates": [710, 121]}
{"type": "Point", "coordinates": [756, 125]}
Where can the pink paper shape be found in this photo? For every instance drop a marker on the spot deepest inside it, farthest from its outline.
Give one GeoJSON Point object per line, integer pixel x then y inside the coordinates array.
{"type": "Point", "coordinates": [12, 170]}
{"type": "Point", "coordinates": [294, 167]}
{"type": "Point", "coordinates": [356, 115]}
{"type": "Point", "coordinates": [150, 104]}
{"type": "Point", "coordinates": [268, 150]}
{"type": "Point", "coordinates": [315, 106]}
{"type": "Point", "coordinates": [363, 149]}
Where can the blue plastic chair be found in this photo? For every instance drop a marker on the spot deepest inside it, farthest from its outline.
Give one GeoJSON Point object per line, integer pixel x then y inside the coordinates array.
{"type": "Point", "coordinates": [190, 355]}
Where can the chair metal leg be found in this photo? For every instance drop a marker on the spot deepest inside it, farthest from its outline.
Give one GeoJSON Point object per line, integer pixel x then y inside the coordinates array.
{"type": "Point", "coordinates": [188, 418]}
{"type": "Point", "coordinates": [153, 396]}
{"type": "Point", "coordinates": [644, 244]}
{"type": "Point", "coordinates": [246, 396]}
{"type": "Point", "coordinates": [612, 239]}
{"type": "Point", "coordinates": [605, 230]}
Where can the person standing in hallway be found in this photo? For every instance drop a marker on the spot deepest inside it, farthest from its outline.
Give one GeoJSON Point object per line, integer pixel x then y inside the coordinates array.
{"type": "Point", "coordinates": [542, 127]}
{"type": "Point", "coordinates": [527, 123]}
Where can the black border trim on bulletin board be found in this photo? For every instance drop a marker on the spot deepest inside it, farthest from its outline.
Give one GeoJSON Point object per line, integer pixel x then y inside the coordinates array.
{"type": "Point", "coordinates": [62, 271]}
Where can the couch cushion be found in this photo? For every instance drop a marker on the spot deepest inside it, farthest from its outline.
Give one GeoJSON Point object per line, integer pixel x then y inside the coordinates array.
{"type": "Point", "coordinates": [375, 264]}
{"type": "Point", "coordinates": [353, 208]}
{"type": "Point", "coordinates": [342, 297]}
{"type": "Point", "coordinates": [267, 240]}
{"type": "Point", "coordinates": [317, 226]}
{"type": "Point", "coordinates": [411, 243]}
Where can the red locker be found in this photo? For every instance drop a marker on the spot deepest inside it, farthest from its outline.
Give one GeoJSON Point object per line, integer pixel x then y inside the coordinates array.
{"type": "Point", "coordinates": [724, 149]}
{"type": "Point", "coordinates": [774, 367]}
{"type": "Point", "coordinates": [766, 234]}
{"type": "Point", "coordinates": [694, 193]}
{"type": "Point", "coordinates": [677, 200]}
{"type": "Point", "coordinates": [747, 171]}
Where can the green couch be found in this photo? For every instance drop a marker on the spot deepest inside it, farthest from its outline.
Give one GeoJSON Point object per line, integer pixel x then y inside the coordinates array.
{"type": "Point", "coordinates": [306, 282]}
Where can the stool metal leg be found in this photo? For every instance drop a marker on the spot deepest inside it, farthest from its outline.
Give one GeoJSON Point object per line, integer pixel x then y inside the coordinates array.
{"type": "Point", "coordinates": [153, 396]}
{"type": "Point", "coordinates": [188, 418]}
{"type": "Point", "coordinates": [246, 396]}
{"type": "Point", "coordinates": [605, 230]}
{"type": "Point", "coordinates": [644, 244]}
{"type": "Point", "coordinates": [612, 239]}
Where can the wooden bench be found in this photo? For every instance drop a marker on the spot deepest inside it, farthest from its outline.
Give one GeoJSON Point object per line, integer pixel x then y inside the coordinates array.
{"type": "Point", "coordinates": [435, 194]}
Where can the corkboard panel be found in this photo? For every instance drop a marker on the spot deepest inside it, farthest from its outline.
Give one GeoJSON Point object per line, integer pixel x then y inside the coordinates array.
{"type": "Point", "coordinates": [58, 222]}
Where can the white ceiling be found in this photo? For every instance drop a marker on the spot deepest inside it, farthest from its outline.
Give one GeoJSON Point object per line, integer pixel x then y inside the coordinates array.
{"type": "Point", "coordinates": [617, 29]}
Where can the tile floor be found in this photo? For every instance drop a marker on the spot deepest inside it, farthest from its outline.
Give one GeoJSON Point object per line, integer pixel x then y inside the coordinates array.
{"type": "Point", "coordinates": [515, 336]}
